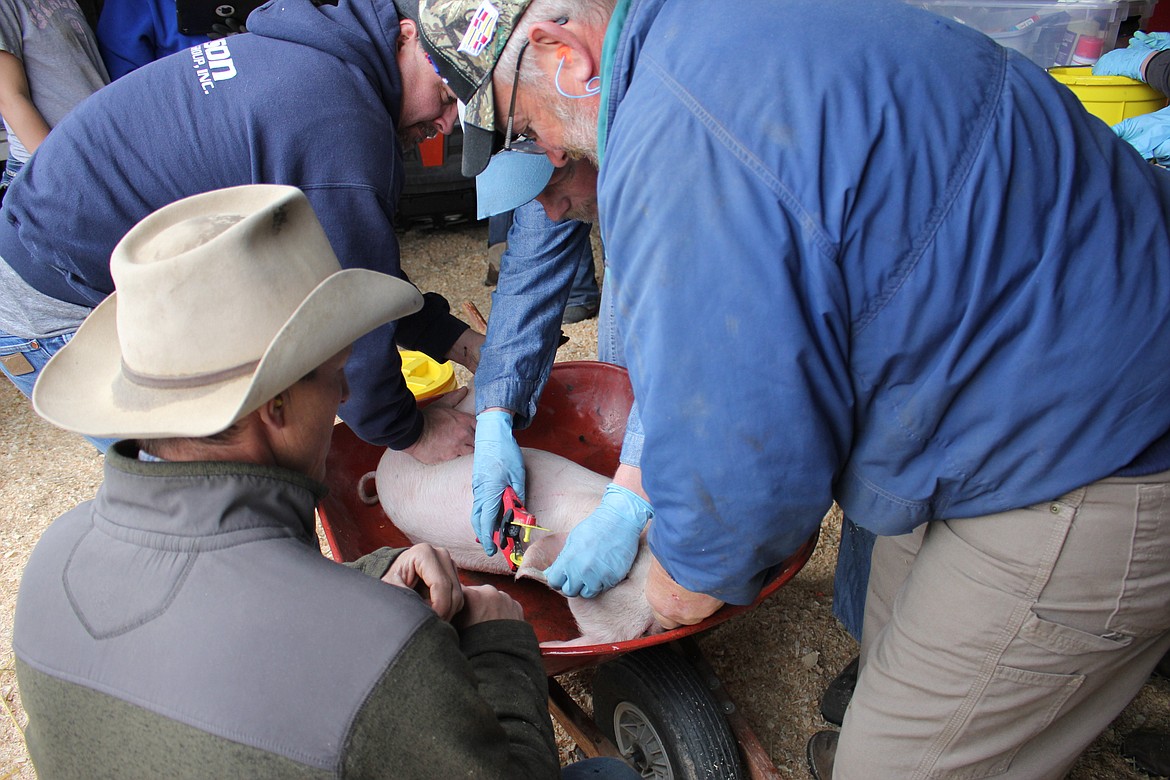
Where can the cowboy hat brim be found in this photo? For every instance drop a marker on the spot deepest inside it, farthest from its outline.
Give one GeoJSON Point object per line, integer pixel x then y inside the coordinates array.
{"type": "Point", "coordinates": [84, 389]}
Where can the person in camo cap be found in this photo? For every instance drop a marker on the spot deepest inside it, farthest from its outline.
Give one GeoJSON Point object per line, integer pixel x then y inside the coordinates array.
{"type": "Point", "coordinates": [936, 291]}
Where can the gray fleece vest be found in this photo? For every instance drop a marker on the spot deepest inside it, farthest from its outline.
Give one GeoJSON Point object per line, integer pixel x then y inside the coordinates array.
{"type": "Point", "coordinates": [197, 592]}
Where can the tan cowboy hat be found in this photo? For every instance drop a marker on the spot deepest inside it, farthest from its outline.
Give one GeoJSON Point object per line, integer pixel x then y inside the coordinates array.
{"type": "Point", "coordinates": [222, 301]}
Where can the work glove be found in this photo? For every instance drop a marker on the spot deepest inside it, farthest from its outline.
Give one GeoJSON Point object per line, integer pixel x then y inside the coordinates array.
{"type": "Point", "coordinates": [1149, 134]}
{"type": "Point", "coordinates": [497, 464]}
{"type": "Point", "coordinates": [600, 551]}
{"type": "Point", "coordinates": [1159, 41]}
{"type": "Point", "coordinates": [1123, 62]}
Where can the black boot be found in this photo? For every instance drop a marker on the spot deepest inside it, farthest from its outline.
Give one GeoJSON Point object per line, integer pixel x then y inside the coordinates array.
{"type": "Point", "coordinates": [836, 698]}
{"type": "Point", "coordinates": [1163, 667]}
{"type": "Point", "coordinates": [821, 752]}
{"type": "Point", "coordinates": [1149, 750]}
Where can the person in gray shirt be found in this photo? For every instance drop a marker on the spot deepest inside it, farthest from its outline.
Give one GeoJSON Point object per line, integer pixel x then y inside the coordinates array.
{"type": "Point", "coordinates": [49, 62]}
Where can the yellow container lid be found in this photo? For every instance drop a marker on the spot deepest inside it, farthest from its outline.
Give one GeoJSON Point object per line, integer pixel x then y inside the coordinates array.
{"type": "Point", "coordinates": [1112, 98]}
{"type": "Point", "coordinates": [426, 377]}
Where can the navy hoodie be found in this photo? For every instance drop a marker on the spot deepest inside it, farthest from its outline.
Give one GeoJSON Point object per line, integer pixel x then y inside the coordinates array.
{"type": "Point", "coordinates": [309, 98]}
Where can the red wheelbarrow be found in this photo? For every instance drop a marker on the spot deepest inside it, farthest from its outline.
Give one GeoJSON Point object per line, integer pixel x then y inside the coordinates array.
{"type": "Point", "coordinates": [656, 703]}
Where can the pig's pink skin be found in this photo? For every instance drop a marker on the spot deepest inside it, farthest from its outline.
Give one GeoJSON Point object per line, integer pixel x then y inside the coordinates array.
{"type": "Point", "coordinates": [433, 504]}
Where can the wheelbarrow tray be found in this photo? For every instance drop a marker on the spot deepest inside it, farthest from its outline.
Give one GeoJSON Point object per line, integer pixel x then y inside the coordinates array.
{"type": "Point", "coordinates": [581, 417]}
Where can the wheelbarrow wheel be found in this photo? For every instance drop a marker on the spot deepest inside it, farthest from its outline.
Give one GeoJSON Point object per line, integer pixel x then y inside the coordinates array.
{"type": "Point", "coordinates": [663, 719]}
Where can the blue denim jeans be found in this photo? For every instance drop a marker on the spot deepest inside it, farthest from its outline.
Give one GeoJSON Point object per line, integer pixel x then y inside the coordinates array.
{"type": "Point", "coordinates": [584, 291]}
{"type": "Point", "coordinates": [11, 168]}
{"type": "Point", "coordinates": [37, 353]}
{"type": "Point", "coordinates": [852, 576]}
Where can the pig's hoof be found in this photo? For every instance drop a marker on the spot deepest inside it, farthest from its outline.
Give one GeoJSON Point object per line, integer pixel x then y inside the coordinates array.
{"type": "Point", "coordinates": [367, 488]}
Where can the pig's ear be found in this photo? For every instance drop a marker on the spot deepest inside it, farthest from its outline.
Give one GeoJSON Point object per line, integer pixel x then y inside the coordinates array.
{"type": "Point", "coordinates": [540, 555]}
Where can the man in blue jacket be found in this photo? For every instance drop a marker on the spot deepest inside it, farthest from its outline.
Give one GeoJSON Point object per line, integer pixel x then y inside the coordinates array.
{"type": "Point", "coordinates": [316, 96]}
{"type": "Point", "coordinates": [943, 290]}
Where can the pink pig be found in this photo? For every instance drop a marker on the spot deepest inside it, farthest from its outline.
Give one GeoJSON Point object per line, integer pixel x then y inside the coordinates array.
{"type": "Point", "coordinates": [432, 503]}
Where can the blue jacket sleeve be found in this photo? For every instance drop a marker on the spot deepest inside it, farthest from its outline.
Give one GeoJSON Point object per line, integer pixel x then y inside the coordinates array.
{"type": "Point", "coordinates": [609, 350]}
{"type": "Point", "coordinates": [536, 274]}
{"type": "Point", "coordinates": [131, 33]}
{"type": "Point", "coordinates": [125, 37]}
{"type": "Point", "coordinates": [711, 260]}
{"type": "Point", "coordinates": [634, 440]}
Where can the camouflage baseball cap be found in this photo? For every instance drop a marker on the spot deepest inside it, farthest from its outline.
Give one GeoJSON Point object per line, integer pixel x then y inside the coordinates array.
{"type": "Point", "coordinates": [465, 39]}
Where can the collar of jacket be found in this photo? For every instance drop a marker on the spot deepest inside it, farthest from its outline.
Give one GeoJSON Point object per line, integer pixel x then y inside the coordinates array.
{"type": "Point", "coordinates": [183, 505]}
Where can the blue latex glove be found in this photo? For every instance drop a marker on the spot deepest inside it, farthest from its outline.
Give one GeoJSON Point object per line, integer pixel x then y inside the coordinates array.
{"type": "Point", "coordinates": [496, 465]}
{"type": "Point", "coordinates": [1123, 62]}
{"type": "Point", "coordinates": [600, 551]}
{"type": "Point", "coordinates": [1149, 134]}
{"type": "Point", "coordinates": [1159, 41]}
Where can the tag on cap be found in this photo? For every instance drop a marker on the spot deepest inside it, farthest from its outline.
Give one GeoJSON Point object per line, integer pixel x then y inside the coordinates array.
{"type": "Point", "coordinates": [480, 31]}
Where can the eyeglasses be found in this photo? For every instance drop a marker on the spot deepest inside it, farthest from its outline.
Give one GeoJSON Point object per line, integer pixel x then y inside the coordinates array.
{"type": "Point", "coordinates": [519, 143]}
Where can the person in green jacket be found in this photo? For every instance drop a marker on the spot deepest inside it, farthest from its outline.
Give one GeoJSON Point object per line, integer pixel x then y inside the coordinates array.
{"type": "Point", "coordinates": [184, 623]}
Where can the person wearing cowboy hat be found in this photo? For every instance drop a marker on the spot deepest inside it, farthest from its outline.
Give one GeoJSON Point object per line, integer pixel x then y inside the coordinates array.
{"type": "Point", "coordinates": [321, 96]}
{"type": "Point", "coordinates": [183, 622]}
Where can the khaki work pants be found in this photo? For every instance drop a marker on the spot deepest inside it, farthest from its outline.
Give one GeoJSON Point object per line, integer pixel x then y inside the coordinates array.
{"type": "Point", "coordinates": [1001, 646]}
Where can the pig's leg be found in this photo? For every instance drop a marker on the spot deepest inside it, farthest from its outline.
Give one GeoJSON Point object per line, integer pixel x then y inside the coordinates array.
{"type": "Point", "coordinates": [618, 614]}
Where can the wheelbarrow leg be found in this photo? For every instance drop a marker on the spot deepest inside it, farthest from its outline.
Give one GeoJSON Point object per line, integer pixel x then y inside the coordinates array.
{"type": "Point", "coordinates": [756, 760]}
{"type": "Point", "coordinates": [577, 724]}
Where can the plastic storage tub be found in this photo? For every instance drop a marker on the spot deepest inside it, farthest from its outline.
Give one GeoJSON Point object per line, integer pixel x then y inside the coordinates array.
{"type": "Point", "coordinates": [1142, 10]}
{"type": "Point", "coordinates": [1111, 98]}
{"type": "Point", "coordinates": [1050, 34]}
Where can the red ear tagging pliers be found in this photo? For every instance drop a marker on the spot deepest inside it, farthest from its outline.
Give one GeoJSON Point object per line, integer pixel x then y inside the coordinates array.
{"type": "Point", "coordinates": [514, 530]}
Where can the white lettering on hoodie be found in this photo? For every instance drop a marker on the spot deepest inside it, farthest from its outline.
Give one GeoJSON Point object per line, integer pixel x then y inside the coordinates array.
{"type": "Point", "coordinates": [213, 62]}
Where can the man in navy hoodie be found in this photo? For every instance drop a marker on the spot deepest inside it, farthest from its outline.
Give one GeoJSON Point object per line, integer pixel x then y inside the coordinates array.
{"type": "Point", "coordinates": [315, 96]}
